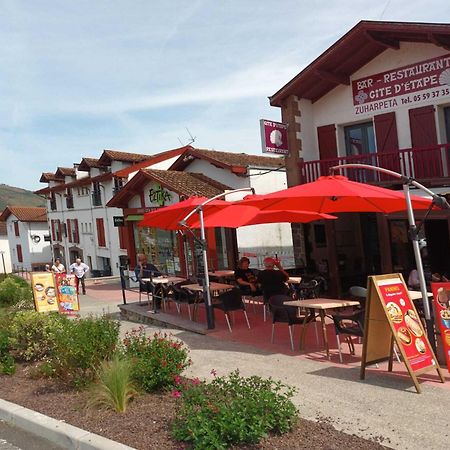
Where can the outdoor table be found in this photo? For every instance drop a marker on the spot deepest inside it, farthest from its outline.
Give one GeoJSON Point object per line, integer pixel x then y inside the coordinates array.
{"type": "Point", "coordinates": [164, 280]}
{"type": "Point", "coordinates": [320, 305]}
{"type": "Point", "coordinates": [221, 273]}
{"type": "Point", "coordinates": [417, 295]}
{"type": "Point", "coordinates": [294, 280]}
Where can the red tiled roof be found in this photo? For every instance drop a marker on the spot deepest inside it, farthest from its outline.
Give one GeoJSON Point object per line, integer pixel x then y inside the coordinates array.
{"type": "Point", "coordinates": [236, 162]}
{"type": "Point", "coordinates": [88, 163]}
{"type": "Point", "coordinates": [356, 48]}
{"type": "Point", "coordinates": [25, 213]}
{"type": "Point", "coordinates": [82, 182]}
{"type": "Point", "coordinates": [49, 176]}
{"type": "Point", "coordinates": [183, 183]}
{"type": "Point", "coordinates": [65, 172]}
{"type": "Point", "coordinates": [113, 155]}
{"type": "Point", "coordinates": [159, 157]}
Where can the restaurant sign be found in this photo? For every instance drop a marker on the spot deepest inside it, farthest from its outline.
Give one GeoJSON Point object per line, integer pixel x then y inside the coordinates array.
{"type": "Point", "coordinates": [159, 195]}
{"type": "Point", "coordinates": [421, 81]}
{"type": "Point", "coordinates": [441, 295]}
{"type": "Point", "coordinates": [274, 137]}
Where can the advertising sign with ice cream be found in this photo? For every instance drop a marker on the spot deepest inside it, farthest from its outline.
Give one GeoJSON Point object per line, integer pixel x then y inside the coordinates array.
{"type": "Point", "coordinates": [274, 137]}
{"type": "Point", "coordinates": [67, 293]}
{"type": "Point", "coordinates": [44, 291]}
{"type": "Point", "coordinates": [441, 294]}
{"type": "Point", "coordinates": [414, 83]}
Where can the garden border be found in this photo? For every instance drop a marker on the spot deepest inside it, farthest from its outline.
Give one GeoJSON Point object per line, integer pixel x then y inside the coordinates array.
{"type": "Point", "coordinates": [56, 431]}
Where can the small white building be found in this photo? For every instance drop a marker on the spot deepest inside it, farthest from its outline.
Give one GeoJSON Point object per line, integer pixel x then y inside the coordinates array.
{"type": "Point", "coordinates": [28, 237]}
{"type": "Point", "coordinates": [5, 254]}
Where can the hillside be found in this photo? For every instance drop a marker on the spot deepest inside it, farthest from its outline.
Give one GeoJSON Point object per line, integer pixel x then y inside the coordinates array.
{"type": "Point", "coordinates": [10, 195]}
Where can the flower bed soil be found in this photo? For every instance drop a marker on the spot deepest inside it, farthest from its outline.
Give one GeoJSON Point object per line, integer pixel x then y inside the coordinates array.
{"type": "Point", "coordinates": [146, 424]}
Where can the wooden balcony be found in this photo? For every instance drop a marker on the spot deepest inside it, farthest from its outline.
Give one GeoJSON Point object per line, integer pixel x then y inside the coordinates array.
{"type": "Point", "coordinates": [428, 165]}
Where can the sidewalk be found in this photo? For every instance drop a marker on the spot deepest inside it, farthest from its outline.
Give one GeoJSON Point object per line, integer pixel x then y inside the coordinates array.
{"type": "Point", "coordinates": [384, 406]}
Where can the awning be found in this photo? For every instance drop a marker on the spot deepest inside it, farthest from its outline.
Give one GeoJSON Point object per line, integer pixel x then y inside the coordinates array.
{"type": "Point", "coordinates": [134, 217]}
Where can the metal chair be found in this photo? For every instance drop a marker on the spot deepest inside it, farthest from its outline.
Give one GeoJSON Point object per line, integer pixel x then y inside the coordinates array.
{"type": "Point", "coordinates": [182, 296]}
{"type": "Point", "coordinates": [231, 301]}
{"type": "Point", "coordinates": [359, 293]}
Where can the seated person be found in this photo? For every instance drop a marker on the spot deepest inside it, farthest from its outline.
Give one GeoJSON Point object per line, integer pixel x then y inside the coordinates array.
{"type": "Point", "coordinates": [245, 278]}
{"type": "Point", "coordinates": [144, 269]}
{"type": "Point", "coordinates": [273, 282]}
{"type": "Point", "coordinates": [413, 280]}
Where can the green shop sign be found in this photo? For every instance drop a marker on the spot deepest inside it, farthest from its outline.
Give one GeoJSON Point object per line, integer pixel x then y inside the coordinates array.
{"type": "Point", "coordinates": [159, 195]}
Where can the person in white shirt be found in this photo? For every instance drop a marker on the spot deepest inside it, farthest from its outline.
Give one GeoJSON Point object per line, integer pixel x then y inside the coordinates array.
{"type": "Point", "coordinates": [79, 269]}
{"type": "Point", "coordinates": [58, 267]}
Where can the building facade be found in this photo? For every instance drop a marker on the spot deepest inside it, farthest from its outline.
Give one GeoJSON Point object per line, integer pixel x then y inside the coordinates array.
{"type": "Point", "coordinates": [28, 237]}
{"type": "Point", "coordinates": [380, 96]}
{"type": "Point", "coordinates": [5, 253]}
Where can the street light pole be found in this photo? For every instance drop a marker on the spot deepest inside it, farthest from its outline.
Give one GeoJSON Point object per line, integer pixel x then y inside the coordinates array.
{"type": "Point", "coordinates": [413, 231]}
{"type": "Point", "coordinates": [206, 284]}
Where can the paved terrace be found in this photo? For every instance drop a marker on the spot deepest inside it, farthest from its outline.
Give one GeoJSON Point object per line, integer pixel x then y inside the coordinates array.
{"type": "Point", "coordinates": [384, 406]}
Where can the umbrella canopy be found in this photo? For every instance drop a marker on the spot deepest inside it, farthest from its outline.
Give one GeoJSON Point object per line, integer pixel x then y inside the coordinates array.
{"type": "Point", "coordinates": [236, 216]}
{"type": "Point", "coordinates": [168, 218]}
{"type": "Point", "coordinates": [334, 194]}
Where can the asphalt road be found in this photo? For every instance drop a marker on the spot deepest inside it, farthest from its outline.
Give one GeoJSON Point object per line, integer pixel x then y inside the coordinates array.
{"type": "Point", "coordinates": [17, 439]}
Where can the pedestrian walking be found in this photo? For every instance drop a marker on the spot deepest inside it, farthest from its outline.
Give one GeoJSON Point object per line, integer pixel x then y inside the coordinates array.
{"type": "Point", "coordinates": [79, 268]}
{"type": "Point", "coordinates": [58, 267]}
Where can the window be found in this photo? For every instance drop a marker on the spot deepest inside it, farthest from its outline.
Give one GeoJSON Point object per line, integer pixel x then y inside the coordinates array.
{"type": "Point", "coordinates": [16, 228]}
{"type": "Point", "coordinates": [359, 139]}
{"type": "Point", "coordinates": [447, 122]}
{"type": "Point", "coordinates": [100, 232]}
{"type": "Point", "coordinates": [53, 201]}
{"type": "Point", "coordinates": [96, 194]}
{"type": "Point", "coordinates": [19, 253]}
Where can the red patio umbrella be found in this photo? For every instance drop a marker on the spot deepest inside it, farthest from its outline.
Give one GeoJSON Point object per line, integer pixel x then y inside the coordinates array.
{"type": "Point", "coordinates": [236, 216]}
{"type": "Point", "coordinates": [168, 218]}
{"type": "Point", "coordinates": [334, 194]}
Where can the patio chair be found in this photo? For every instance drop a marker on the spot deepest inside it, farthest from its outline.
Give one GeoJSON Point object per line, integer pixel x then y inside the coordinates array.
{"type": "Point", "coordinates": [229, 301]}
{"type": "Point", "coordinates": [360, 294]}
{"type": "Point", "coordinates": [284, 314]}
{"type": "Point", "coordinates": [181, 296]}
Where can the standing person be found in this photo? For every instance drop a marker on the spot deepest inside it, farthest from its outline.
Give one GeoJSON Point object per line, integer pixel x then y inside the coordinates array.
{"type": "Point", "coordinates": [79, 269]}
{"type": "Point", "coordinates": [58, 267]}
{"type": "Point", "coordinates": [273, 282]}
{"type": "Point", "coordinates": [144, 269]}
{"type": "Point", "coordinates": [246, 278]}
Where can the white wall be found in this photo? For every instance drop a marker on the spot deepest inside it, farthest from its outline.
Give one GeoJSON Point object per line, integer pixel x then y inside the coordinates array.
{"type": "Point", "coordinates": [4, 247]}
{"type": "Point", "coordinates": [337, 106]}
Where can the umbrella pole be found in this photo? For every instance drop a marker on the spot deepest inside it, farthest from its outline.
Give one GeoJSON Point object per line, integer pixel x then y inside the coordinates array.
{"type": "Point", "coordinates": [206, 290]}
{"type": "Point", "coordinates": [414, 235]}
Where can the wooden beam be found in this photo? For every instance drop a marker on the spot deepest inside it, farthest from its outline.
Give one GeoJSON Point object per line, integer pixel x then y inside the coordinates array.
{"type": "Point", "coordinates": [384, 42]}
{"type": "Point", "coordinates": [337, 78]}
{"type": "Point", "coordinates": [437, 40]}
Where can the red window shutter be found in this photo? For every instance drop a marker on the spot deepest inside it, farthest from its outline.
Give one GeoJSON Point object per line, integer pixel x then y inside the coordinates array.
{"type": "Point", "coordinates": [387, 141]}
{"type": "Point", "coordinates": [16, 228]}
{"type": "Point", "coordinates": [100, 232]}
{"type": "Point", "coordinates": [60, 230]}
{"type": "Point", "coordinates": [77, 233]}
{"type": "Point", "coordinates": [19, 253]}
{"type": "Point", "coordinates": [423, 134]}
{"type": "Point", "coordinates": [327, 141]}
{"type": "Point", "coordinates": [122, 237]}
{"type": "Point", "coordinates": [53, 230]}
{"type": "Point", "coordinates": [423, 126]}
{"type": "Point", "coordinates": [69, 230]}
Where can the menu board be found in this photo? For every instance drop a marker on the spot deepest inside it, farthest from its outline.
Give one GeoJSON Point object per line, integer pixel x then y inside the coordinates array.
{"type": "Point", "coordinates": [392, 318]}
{"type": "Point", "coordinates": [44, 292]}
{"type": "Point", "coordinates": [67, 293]}
{"type": "Point", "coordinates": [441, 294]}
{"type": "Point", "coordinates": [406, 324]}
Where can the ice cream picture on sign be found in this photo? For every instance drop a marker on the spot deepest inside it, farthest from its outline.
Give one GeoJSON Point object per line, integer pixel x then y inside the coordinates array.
{"type": "Point", "coordinates": [402, 85]}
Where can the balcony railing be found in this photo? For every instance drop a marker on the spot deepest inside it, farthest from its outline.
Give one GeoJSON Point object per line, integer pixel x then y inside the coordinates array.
{"type": "Point", "coordinates": [426, 164]}
{"type": "Point", "coordinates": [96, 198]}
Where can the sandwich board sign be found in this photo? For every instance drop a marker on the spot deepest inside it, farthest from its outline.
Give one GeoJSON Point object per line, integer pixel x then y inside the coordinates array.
{"type": "Point", "coordinates": [441, 294]}
{"type": "Point", "coordinates": [44, 291]}
{"type": "Point", "coordinates": [392, 317]}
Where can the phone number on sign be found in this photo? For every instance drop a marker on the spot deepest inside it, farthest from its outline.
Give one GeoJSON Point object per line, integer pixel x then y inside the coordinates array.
{"type": "Point", "coordinates": [427, 95]}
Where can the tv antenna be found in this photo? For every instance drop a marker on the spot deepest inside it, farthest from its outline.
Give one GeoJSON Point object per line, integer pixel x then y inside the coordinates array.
{"type": "Point", "coordinates": [191, 138]}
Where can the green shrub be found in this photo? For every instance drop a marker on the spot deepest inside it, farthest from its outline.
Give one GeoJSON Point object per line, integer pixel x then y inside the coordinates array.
{"type": "Point", "coordinates": [232, 410]}
{"type": "Point", "coordinates": [7, 361]}
{"type": "Point", "coordinates": [80, 347]}
{"type": "Point", "coordinates": [156, 360]}
{"type": "Point", "coordinates": [33, 334]}
{"type": "Point", "coordinates": [114, 388]}
{"type": "Point", "coordinates": [14, 290]}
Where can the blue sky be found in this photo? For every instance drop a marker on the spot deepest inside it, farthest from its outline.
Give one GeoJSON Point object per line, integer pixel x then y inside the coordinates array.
{"type": "Point", "coordinates": [81, 76]}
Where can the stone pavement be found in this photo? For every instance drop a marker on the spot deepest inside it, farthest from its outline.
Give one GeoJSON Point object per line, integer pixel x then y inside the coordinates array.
{"type": "Point", "coordinates": [384, 406]}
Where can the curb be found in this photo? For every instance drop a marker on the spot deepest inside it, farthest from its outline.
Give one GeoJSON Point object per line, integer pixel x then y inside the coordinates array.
{"type": "Point", "coordinates": [56, 431]}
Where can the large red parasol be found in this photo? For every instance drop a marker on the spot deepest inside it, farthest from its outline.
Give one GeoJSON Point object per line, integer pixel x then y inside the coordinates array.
{"type": "Point", "coordinates": [168, 218]}
{"type": "Point", "coordinates": [236, 216]}
{"type": "Point", "coordinates": [334, 194]}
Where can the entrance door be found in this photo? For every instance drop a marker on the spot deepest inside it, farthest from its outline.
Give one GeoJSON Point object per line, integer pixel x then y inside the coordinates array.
{"type": "Point", "coordinates": [438, 245]}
